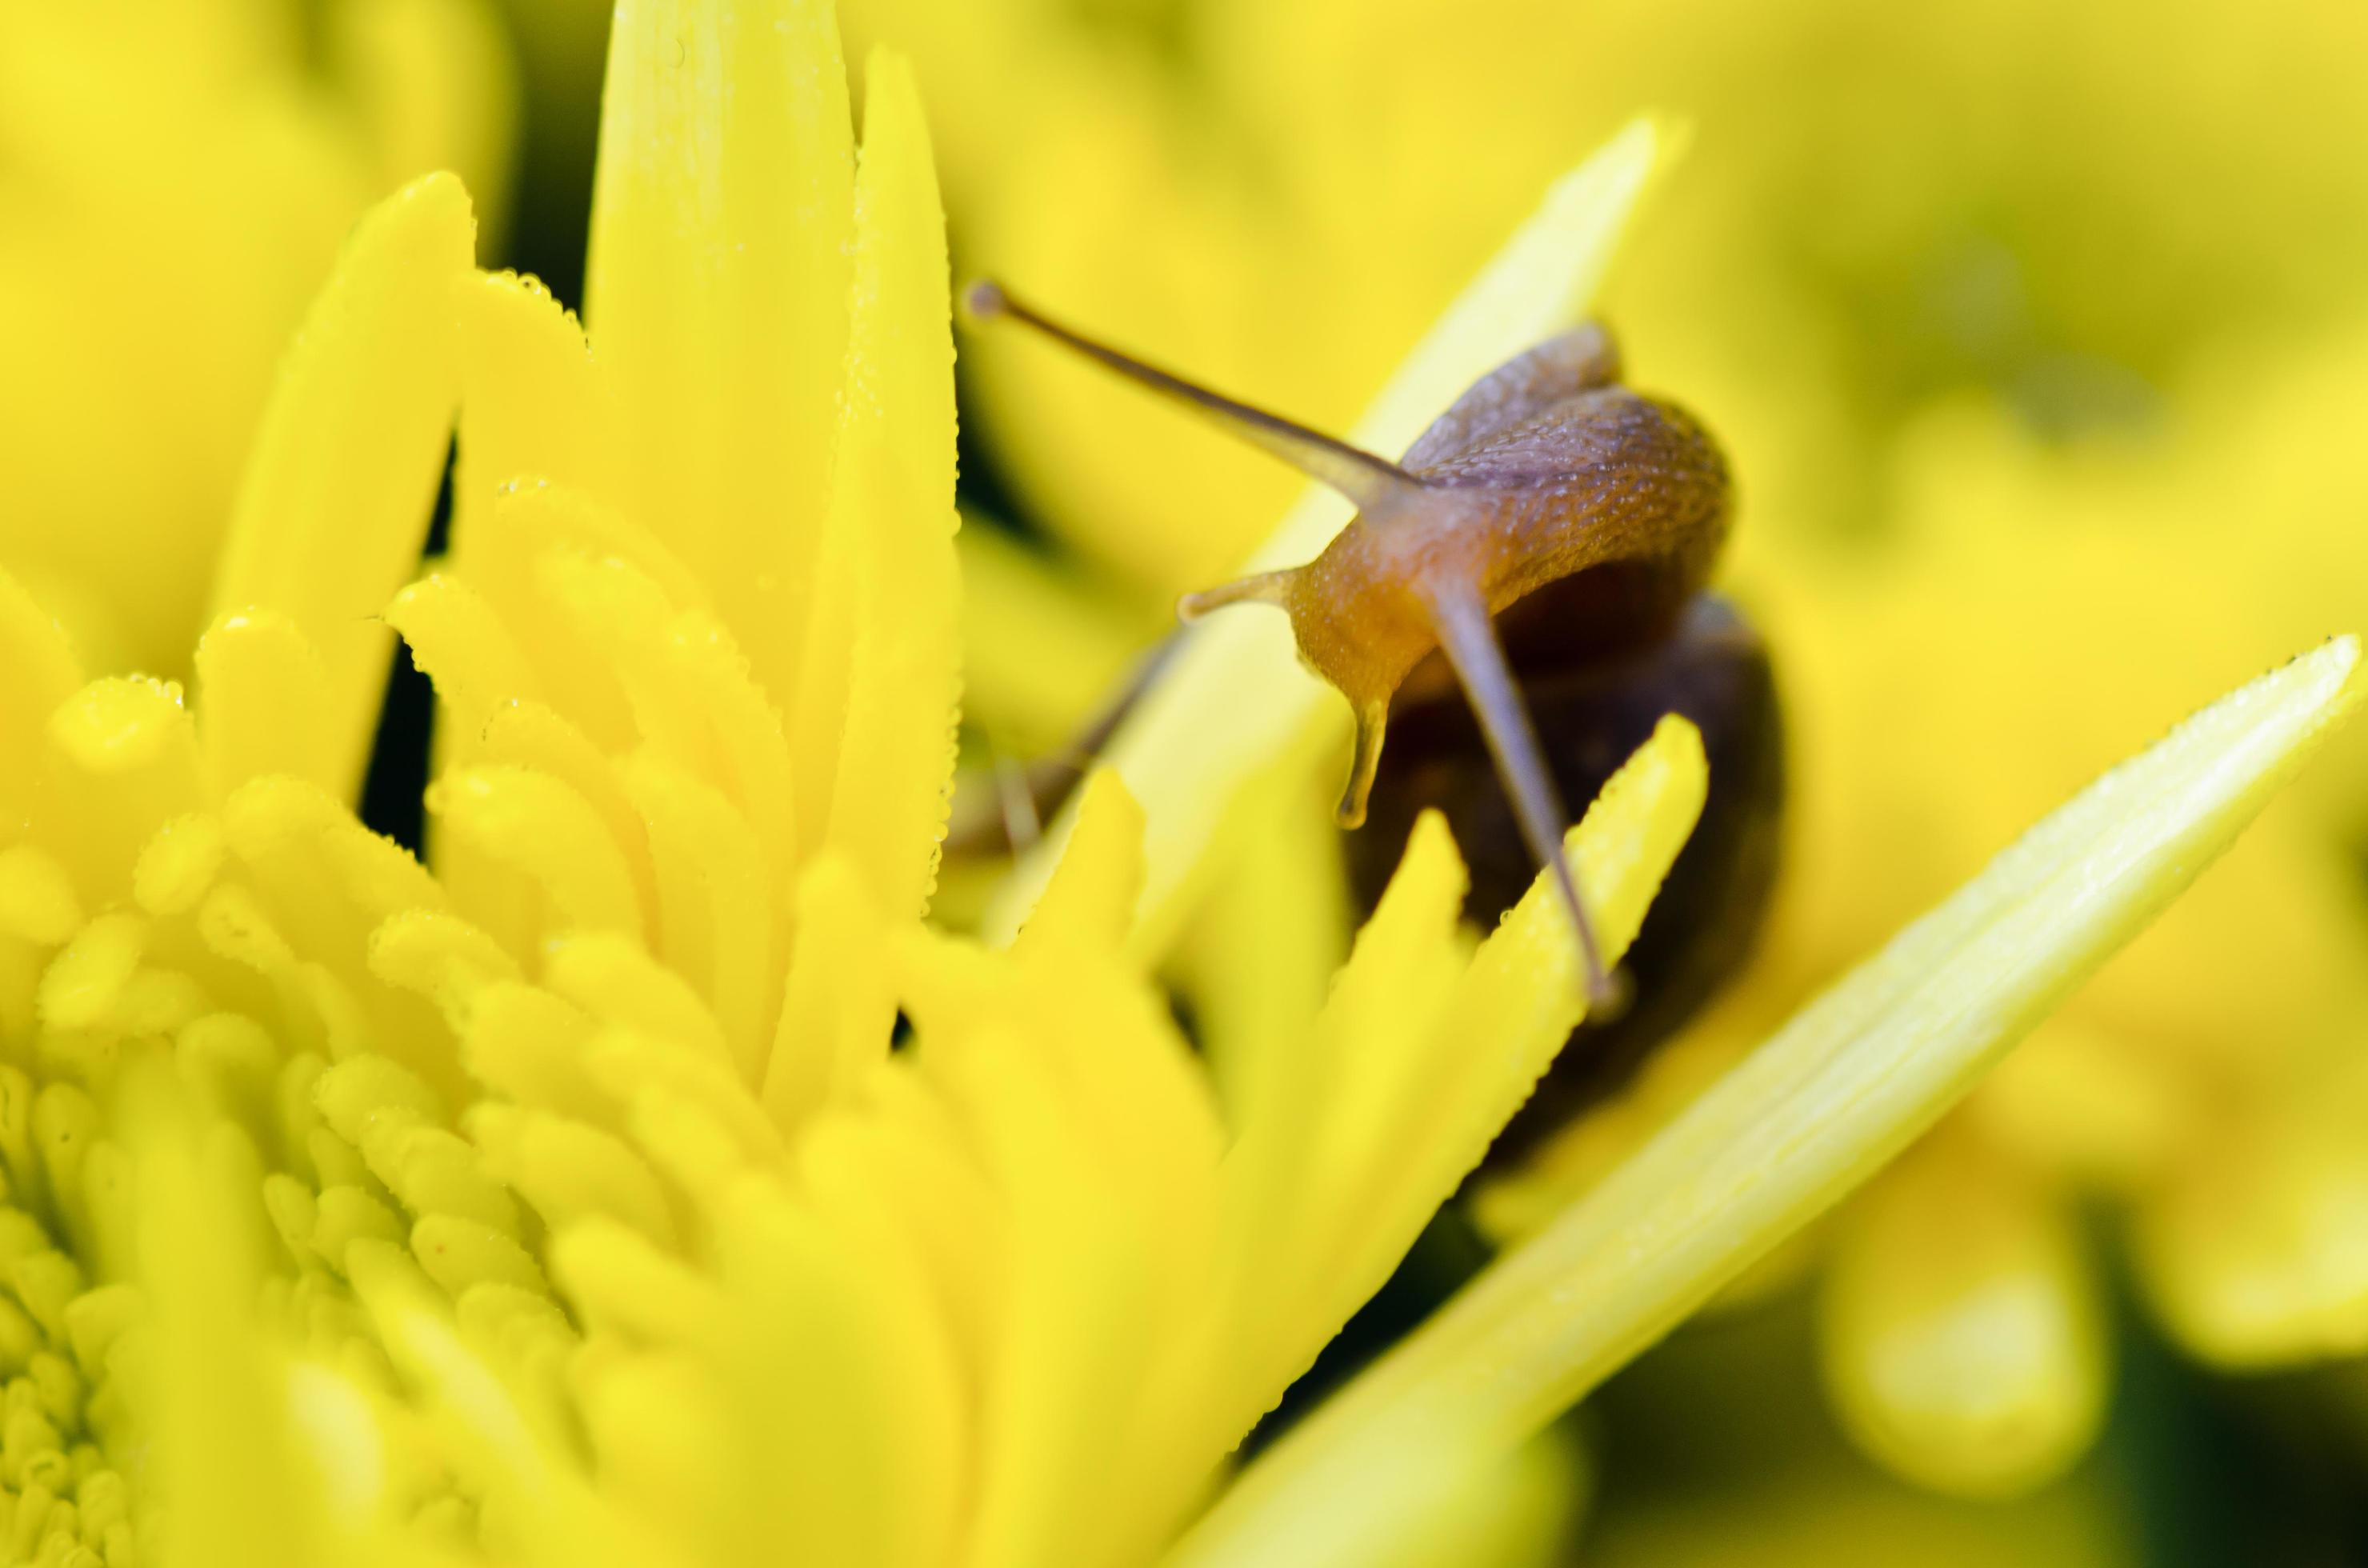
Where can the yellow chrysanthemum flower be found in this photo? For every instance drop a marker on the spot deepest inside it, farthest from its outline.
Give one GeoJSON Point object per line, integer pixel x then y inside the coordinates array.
{"type": "Point", "coordinates": [570, 1205]}
{"type": "Point", "coordinates": [174, 184]}
{"type": "Point", "coordinates": [2033, 338]}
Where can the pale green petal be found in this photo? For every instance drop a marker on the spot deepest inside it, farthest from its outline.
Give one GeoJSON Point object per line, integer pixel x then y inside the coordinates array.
{"type": "Point", "coordinates": [1235, 703]}
{"type": "Point", "coordinates": [1815, 1110]}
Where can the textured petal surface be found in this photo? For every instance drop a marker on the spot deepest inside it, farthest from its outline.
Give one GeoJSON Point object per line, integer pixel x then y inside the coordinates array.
{"type": "Point", "coordinates": [722, 229]}
{"type": "Point", "coordinates": [894, 506]}
{"type": "Point", "coordinates": [341, 482]}
{"type": "Point", "coordinates": [1814, 1112]}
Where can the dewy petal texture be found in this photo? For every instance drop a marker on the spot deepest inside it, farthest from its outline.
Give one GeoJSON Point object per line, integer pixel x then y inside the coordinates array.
{"type": "Point", "coordinates": [1847, 1084]}
{"type": "Point", "coordinates": [1234, 702]}
{"type": "Point", "coordinates": [342, 483]}
{"type": "Point", "coordinates": [716, 290]}
{"type": "Point", "coordinates": [604, 1224]}
{"type": "Point", "coordinates": [892, 517]}
{"type": "Point", "coordinates": [1158, 1287]}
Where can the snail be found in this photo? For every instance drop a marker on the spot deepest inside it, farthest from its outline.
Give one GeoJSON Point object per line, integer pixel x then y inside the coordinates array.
{"type": "Point", "coordinates": [1527, 585]}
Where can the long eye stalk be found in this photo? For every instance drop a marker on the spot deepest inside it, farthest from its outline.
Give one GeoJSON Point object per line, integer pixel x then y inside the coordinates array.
{"type": "Point", "coordinates": [1468, 638]}
{"type": "Point", "coordinates": [1354, 473]}
{"type": "Point", "coordinates": [1460, 617]}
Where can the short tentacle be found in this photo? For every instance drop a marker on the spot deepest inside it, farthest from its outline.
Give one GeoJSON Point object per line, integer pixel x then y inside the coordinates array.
{"type": "Point", "coordinates": [1373, 721]}
{"type": "Point", "coordinates": [1263, 588]}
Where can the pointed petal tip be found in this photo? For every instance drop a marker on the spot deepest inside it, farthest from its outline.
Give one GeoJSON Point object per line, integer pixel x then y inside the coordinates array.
{"type": "Point", "coordinates": [2340, 655]}
{"type": "Point", "coordinates": [1671, 136]}
{"type": "Point", "coordinates": [439, 199]}
{"type": "Point", "coordinates": [1816, 1108]}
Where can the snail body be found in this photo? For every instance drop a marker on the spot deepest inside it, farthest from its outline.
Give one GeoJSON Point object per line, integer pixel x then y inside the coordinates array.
{"type": "Point", "coordinates": [1543, 547]}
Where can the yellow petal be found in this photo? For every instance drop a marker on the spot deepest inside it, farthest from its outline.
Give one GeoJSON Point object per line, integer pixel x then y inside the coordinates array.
{"type": "Point", "coordinates": [459, 643]}
{"type": "Point", "coordinates": [1423, 1056]}
{"type": "Point", "coordinates": [1100, 1145]}
{"type": "Point", "coordinates": [532, 402]}
{"type": "Point", "coordinates": [433, 1172]}
{"type": "Point", "coordinates": [342, 481]}
{"type": "Point", "coordinates": [904, 1154]}
{"type": "Point", "coordinates": [617, 1278]}
{"type": "Point", "coordinates": [440, 957]}
{"type": "Point", "coordinates": [80, 985]}
{"type": "Point", "coordinates": [717, 286]}
{"type": "Point", "coordinates": [692, 697]}
{"type": "Point", "coordinates": [508, 553]}
{"type": "Point", "coordinates": [1521, 1513]}
{"type": "Point", "coordinates": [548, 832]}
{"type": "Point", "coordinates": [748, 754]}
{"type": "Point", "coordinates": [459, 1253]}
{"type": "Point", "coordinates": [530, 735]}
{"type": "Point", "coordinates": [894, 494]}
{"type": "Point", "coordinates": [838, 1010]}
{"type": "Point", "coordinates": [178, 865]}
{"type": "Point", "coordinates": [840, 1331]}
{"type": "Point", "coordinates": [523, 1042]}
{"type": "Point", "coordinates": [1961, 1339]}
{"type": "Point", "coordinates": [262, 701]}
{"type": "Point", "coordinates": [692, 1117]}
{"type": "Point", "coordinates": [1076, 1331]}
{"type": "Point", "coordinates": [42, 673]}
{"type": "Point", "coordinates": [1523, 992]}
{"type": "Point", "coordinates": [847, 1189]}
{"type": "Point", "coordinates": [569, 1170]}
{"type": "Point", "coordinates": [315, 859]}
{"type": "Point", "coordinates": [2256, 1255]}
{"type": "Point", "coordinates": [221, 1441]}
{"type": "Point", "coordinates": [1233, 701]}
{"type": "Point", "coordinates": [715, 907]}
{"type": "Point", "coordinates": [1091, 896]}
{"type": "Point", "coordinates": [132, 752]}
{"type": "Point", "coordinates": [2091, 1108]}
{"type": "Point", "coordinates": [1263, 950]}
{"type": "Point", "coordinates": [612, 979]}
{"type": "Point", "coordinates": [1300, 1175]}
{"type": "Point", "coordinates": [558, 1519]}
{"type": "Point", "coordinates": [1849, 1082]}
{"type": "Point", "coordinates": [434, 85]}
